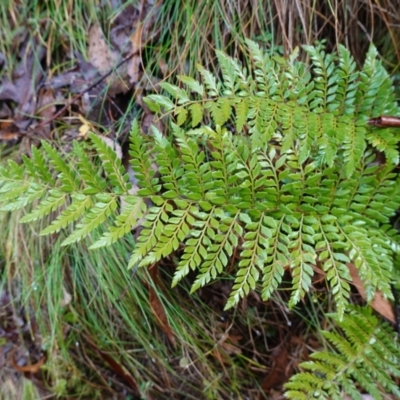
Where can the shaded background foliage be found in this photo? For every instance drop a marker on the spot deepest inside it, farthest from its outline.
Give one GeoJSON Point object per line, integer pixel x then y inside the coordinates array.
{"type": "Point", "coordinates": [75, 324]}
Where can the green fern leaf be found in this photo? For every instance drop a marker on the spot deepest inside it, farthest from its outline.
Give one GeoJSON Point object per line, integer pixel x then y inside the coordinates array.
{"type": "Point", "coordinates": [174, 232]}
{"type": "Point", "coordinates": [333, 260]}
{"type": "Point", "coordinates": [66, 175]}
{"type": "Point", "coordinates": [179, 94]}
{"type": "Point", "coordinates": [192, 84]}
{"type": "Point", "coordinates": [157, 103]}
{"type": "Point", "coordinates": [347, 83]}
{"type": "Point", "coordinates": [278, 255]}
{"type": "Point", "coordinates": [242, 111]}
{"type": "Point", "coordinates": [182, 114]}
{"type": "Point", "coordinates": [274, 160]}
{"type": "Point", "coordinates": [141, 163]}
{"type": "Point", "coordinates": [354, 147]}
{"type": "Point", "coordinates": [252, 260]}
{"type": "Point", "coordinates": [133, 211]}
{"type": "Point", "coordinates": [326, 79]}
{"type": "Point", "coordinates": [217, 254]}
{"type": "Point", "coordinates": [11, 189]}
{"type": "Point", "coordinates": [40, 165]}
{"type": "Point", "coordinates": [368, 354]}
{"type": "Point", "coordinates": [88, 172]}
{"type": "Point", "coordinates": [80, 203]}
{"type": "Point", "coordinates": [104, 207]}
{"type": "Point", "coordinates": [18, 195]}
{"type": "Point", "coordinates": [196, 112]}
{"type": "Point", "coordinates": [195, 251]}
{"type": "Point", "coordinates": [54, 200]}
{"type": "Point", "coordinates": [152, 230]}
{"type": "Point", "coordinates": [112, 165]}
{"type": "Point", "coordinates": [209, 81]}
{"type": "Point", "coordinates": [303, 257]}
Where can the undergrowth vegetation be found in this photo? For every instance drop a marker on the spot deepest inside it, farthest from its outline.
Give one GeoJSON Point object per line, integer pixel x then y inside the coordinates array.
{"type": "Point", "coordinates": [261, 186]}
{"type": "Point", "coordinates": [284, 176]}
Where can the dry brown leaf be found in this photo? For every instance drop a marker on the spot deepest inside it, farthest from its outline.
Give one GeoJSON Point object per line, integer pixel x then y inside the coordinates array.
{"type": "Point", "coordinates": [33, 368]}
{"type": "Point", "coordinates": [105, 59]}
{"type": "Point", "coordinates": [8, 131]}
{"type": "Point", "coordinates": [279, 372]}
{"type": "Point", "coordinates": [87, 126]}
{"type": "Point", "coordinates": [100, 54]}
{"type": "Point", "coordinates": [142, 29]}
{"type": "Point", "coordinates": [158, 309]}
{"type": "Point", "coordinates": [379, 303]}
{"type": "Point", "coordinates": [67, 297]}
{"type": "Point", "coordinates": [21, 88]}
{"type": "Point", "coordinates": [133, 68]}
{"type": "Point", "coordinates": [45, 110]}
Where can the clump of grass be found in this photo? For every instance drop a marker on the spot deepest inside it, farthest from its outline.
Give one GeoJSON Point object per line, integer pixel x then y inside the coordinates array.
{"type": "Point", "coordinates": [111, 309]}
{"type": "Point", "coordinates": [61, 26]}
{"type": "Point", "coordinates": [190, 35]}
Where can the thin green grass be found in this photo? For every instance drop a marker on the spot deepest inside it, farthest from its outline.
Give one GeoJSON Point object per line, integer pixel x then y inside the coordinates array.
{"type": "Point", "coordinates": [60, 26]}
{"type": "Point", "coordinates": [117, 305]}
{"type": "Point", "coordinates": [111, 308]}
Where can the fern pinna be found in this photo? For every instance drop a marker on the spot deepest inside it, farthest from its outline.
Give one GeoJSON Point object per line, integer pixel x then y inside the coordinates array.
{"type": "Point", "coordinates": [367, 355]}
{"type": "Point", "coordinates": [275, 162]}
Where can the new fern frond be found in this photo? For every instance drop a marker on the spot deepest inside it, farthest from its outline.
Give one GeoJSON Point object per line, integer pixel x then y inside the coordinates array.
{"type": "Point", "coordinates": [273, 164]}
{"type": "Point", "coordinates": [365, 353]}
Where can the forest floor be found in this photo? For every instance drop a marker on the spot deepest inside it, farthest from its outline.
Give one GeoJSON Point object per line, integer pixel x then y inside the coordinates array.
{"type": "Point", "coordinates": [77, 324]}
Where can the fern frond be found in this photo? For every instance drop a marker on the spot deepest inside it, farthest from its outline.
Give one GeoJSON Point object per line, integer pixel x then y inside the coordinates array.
{"type": "Point", "coordinates": [38, 163]}
{"type": "Point", "coordinates": [326, 79]}
{"type": "Point", "coordinates": [169, 165]}
{"type": "Point", "coordinates": [156, 102]}
{"type": "Point", "coordinates": [209, 81]}
{"type": "Point", "coordinates": [133, 210]}
{"type": "Point", "coordinates": [192, 84]}
{"type": "Point", "coordinates": [104, 206]}
{"type": "Point", "coordinates": [174, 232]}
{"type": "Point", "coordinates": [178, 93]}
{"type": "Point", "coordinates": [252, 259]}
{"type": "Point", "coordinates": [197, 177]}
{"type": "Point", "coordinates": [19, 194]}
{"type": "Point", "coordinates": [348, 82]}
{"type": "Point", "coordinates": [52, 202]}
{"type": "Point", "coordinates": [277, 255]}
{"type": "Point", "coordinates": [68, 178]}
{"type": "Point", "coordinates": [141, 164]}
{"type": "Point", "coordinates": [278, 100]}
{"type": "Point", "coordinates": [368, 353]}
{"type": "Point", "coordinates": [268, 168]}
{"type": "Point", "coordinates": [80, 203]}
{"type": "Point", "coordinates": [201, 236]}
{"type": "Point", "coordinates": [303, 256]}
{"type": "Point", "coordinates": [353, 147]}
{"type": "Point", "coordinates": [112, 165]}
{"type": "Point", "coordinates": [152, 230]}
{"type": "Point", "coordinates": [375, 95]}
{"type": "Point", "coordinates": [89, 174]}
{"type": "Point", "coordinates": [218, 253]}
